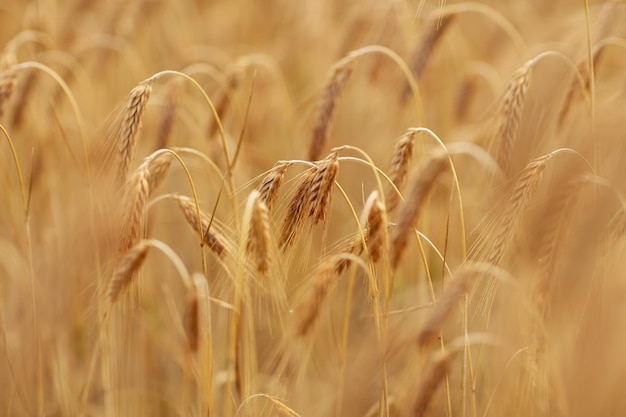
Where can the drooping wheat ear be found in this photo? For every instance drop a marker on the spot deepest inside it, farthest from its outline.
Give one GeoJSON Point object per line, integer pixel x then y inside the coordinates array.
{"type": "Point", "coordinates": [444, 307]}
{"type": "Point", "coordinates": [137, 191]}
{"type": "Point", "coordinates": [8, 79]}
{"type": "Point", "coordinates": [126, 269]}
{"type": "Point", "coordinates": [337, 80]}
{"type": "Point", "coordinates": [376, 228]}
{"type": "Point", "coordinates": [131, 125]}
{"type": "Point", "coordinates": [321, 188]}
{"type": "Point", "coordinates": [223, 102]}
{"type": "Point", "coordinates": [465, 95]}
{"type": "Point", "coordinates": [168, 113]}
{"type": "Point", "coordinates": [427, 174]}
{"type": "Point", "coordinates": [574, 90]}
{"type": "Point", "coordinates": [399, 168]}
{"type": "Point", "coordinates": [298, 208]}
{"type": "Point", "coordinates": [209, 237]}
{"type": "Point", "coordinates": [434, 31]}
{"type": "Point", "coordinates": [259, 238]}
{"type": "Point", "coordinates": [520, 196]}
{"type": "Point", "coordinates": [433, 378]}
{"type": "Point", "coordinates": [192, 320]}
{"type": "Point", "coordinates": [158, 168]}
{"type": "Point", "coordinates": [271, 183]}
{"type": "Point", "coordinates": [510, 115]}
{"type": "Point", "coordinates": [355, 248]}
{"type": "Point", "coordinates": [325, 279]}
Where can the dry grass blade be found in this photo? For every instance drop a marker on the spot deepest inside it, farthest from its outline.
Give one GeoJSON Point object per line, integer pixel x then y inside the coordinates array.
{"type": "Point", "coordinates": [400, 161]}
{"type": "Point", "coordinates": [444, 307]}
{"type": "Point", "coordinates": [126, 269]}
{"type": "Point", "coordinates": [270, 185]}
{"type": "Point", "coordinates": [209, 237]}
{"type": "Point", "coordinates": [259, 238]}
{"type": "Point", "coordinates": [510, 115]}
{"type": "Point", "coordinates": [131, 125]}
{"type": "Point", "coordinates": [322, 186]}
{"type": "Point", "coordinates": [434, 32]}
{"type": "Point", "coordinates": [337, 80]}
{"type": "Point", "coordinates": [299, 206]}
{"type": "Point", "coordinates": [427, 174]}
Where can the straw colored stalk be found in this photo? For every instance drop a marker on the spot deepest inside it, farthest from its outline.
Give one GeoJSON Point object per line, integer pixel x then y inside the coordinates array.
{"type": "Point", "coordinates": [131, 125]}
{"type": "Point", "coordinates": [210, 238]}
{"type": "Point", "coordinates": [399, 168]}
{"type": "Point", "coordinates": [427, 174]}
{"type": "Point", "coordinates": [510, 115]}
{"type": "Point", "coordinates": [337, 80]}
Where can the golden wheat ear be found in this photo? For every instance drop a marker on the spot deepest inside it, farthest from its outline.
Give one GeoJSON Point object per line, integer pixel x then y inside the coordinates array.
{"type": "Point", "coordinates": [126, 270]}
{"type": "Point", "coordinates": [259, 238]}
{"type": "Point", "coordinates": [8, 79]}
{"type": "Point", "coordinates": [131, 125]}
{"type": "Point", "coordinates": [337, 80]}
{"type": "Point", "coordinates": [427, 174]}
{"type": "Point", "coordinates": [399, 168]}
{"type": "Point", "coordinates": [210, 238]}
{"type": "Point", "coordinates": [270, 185]}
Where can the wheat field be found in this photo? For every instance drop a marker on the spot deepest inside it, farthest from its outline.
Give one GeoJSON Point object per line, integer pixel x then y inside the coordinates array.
{"type": "Point", "coordinates": [312, 208]}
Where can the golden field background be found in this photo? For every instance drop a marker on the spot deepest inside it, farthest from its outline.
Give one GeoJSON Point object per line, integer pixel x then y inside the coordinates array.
{"type": "Point", "coordinates": [499, 285]}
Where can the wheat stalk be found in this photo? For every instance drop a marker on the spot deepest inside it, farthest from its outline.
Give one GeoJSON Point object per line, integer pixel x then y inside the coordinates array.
{"type": "Point", "coordinates": [427, 173]}
{"type": "Point", "coordinates": [337, 80]}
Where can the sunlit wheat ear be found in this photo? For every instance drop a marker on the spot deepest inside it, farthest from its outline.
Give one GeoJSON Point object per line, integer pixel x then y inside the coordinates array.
{"type": "Point", "coordinates": [8, 78]}
{"type": "Point", "coordinates": [168, 114]}
{"type": "Point", "coordinates": [137, 191]}
{"type": "Point", "coordinates": [510, 115]}
{"type": "Point", "coordinates": [321, 188]}
{"type": "Point", "coordinates": [376, 228]}
{"type": "Point", "coordinates": [520, 196]}
{"type": "Point", "coordinates": [126, 269]}
{"type": "Point", "coordinates": [158, 168]}
{"type": "Point", "coordinates": [433, 33]}
{"type": "Point", "coordinates": [131, 125]}
{"type": "Point", "coordinates": [355, 248]}
{"type": "Point", "coordinates": [399, 168]}
{"type": "Point", "coordinates": [298, 208]}
{"type": "Point", "coordinates": [259, 238]}
{"type": "Point", "coordinates": [444, 307]}
{"type": "Point", "coordinates": [337, 80]}
{"type": "Point", "coordinates": [431, 381]}
{"type": "Point", "coordinates": [427, 174]}
{"type": "Point", "coordinates": [191, 320]}
{"type": "Point", "coordinates": [210, 238]}
{"type": "Point", "coordinates": [325, 279]}
{"type": "Point", "coordinates": [270, 185]}
{"type": "Point", "coordinates": [574, 90]}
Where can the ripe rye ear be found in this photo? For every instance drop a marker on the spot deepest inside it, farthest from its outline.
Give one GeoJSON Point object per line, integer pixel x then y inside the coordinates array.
{"type": "Point", "coordinates": [132, 118]}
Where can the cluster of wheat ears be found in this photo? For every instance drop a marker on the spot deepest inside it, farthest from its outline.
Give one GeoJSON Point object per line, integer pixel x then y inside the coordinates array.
{"type": "Point", "coordinates": [195, 222]}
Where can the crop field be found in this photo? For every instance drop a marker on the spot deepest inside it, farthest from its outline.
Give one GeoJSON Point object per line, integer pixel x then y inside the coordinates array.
{"type": "Point", "coordinates": [338, 208]}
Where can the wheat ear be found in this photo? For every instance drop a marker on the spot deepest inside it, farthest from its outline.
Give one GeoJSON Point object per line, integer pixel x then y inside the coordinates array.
{"type": "Point", "coordinates": [270, 185]}
{"type": "Point", "coordinates": [131, 125]}
{"type": "Point", "coordinates": [136, 196]}
{"type": "Point", "coordinates": [433, 378]}
{"type": "Point", "coordinates": [126, 269]}
{"type": "Point", "coordinates": [209, 237]}
{"type": "Point", "coordinates": [298, 207]}
{"type": "Point", "coordinates": [510, 115]}
{"type": "Point", "coordinates": [399, 168]}
{"type": "Point", "coordinates": [168, 113]}
{"type": "Point", "coordinates": [427, 173]}
{"type": "Point", "coordinates": [376, 228]}
{"type": "Point", "coordinates": [8, 79]}
{"type": "Point", "coordinates": [259, 238]}
{"type": "Point", "coordinates": [322, 186]}
{"type": "Point", "coordinates": [337, 80]}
